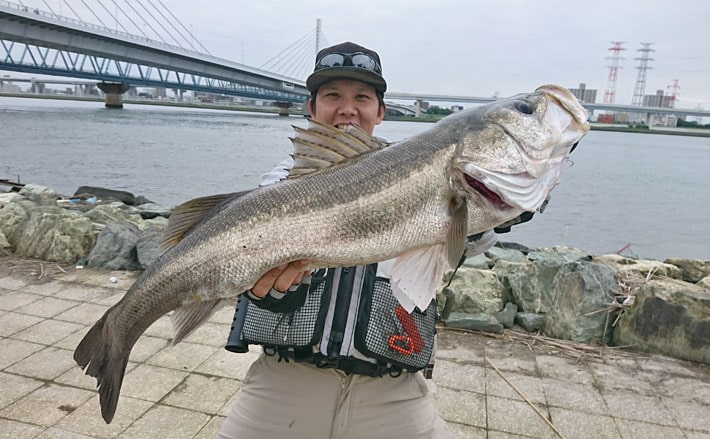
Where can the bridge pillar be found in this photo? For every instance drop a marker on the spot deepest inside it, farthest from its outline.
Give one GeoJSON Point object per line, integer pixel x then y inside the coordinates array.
{"type": "Point", "coordinates": [113, 92]}
{"type": "Point", "coordinates": [283, 107]}
{"type": "Point", "coordinates": [38, 87]}
{"type": "Point", "coordinates": [418, 106]}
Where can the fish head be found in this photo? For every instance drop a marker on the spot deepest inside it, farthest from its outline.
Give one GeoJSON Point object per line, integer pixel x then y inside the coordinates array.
{"type": "Point", "coordinates": [511, 154]}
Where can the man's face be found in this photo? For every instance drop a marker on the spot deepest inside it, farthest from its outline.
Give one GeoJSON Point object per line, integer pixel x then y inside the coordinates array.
{"type": "Point", "coordinates": [344, 101]}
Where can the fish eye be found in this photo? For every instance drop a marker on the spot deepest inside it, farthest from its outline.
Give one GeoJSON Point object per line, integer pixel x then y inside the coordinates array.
{"type": "Point", "coordinates": [523, 107]}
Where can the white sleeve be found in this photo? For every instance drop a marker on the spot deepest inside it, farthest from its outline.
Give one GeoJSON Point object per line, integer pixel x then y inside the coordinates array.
{"type": "Point", "coordinates": [277, 174]}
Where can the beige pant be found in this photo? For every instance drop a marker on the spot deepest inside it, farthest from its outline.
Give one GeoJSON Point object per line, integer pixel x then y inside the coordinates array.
{"type": "Point", "coordinates": [299, 401]}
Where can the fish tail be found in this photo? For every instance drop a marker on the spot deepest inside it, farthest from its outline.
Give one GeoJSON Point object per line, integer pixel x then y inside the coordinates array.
{"type": "Point", "coordinates": [100, 357]}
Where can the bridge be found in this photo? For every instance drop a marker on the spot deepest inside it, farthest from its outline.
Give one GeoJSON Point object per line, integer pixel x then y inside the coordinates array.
{"type": "Point", "coordinates": [41, 42]}
{"type": "Point", "coordinates": [36, 41]}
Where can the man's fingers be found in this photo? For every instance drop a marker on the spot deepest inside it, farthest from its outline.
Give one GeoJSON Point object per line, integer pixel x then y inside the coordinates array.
{"type": "Point", "coordinates": [291, 275]}
{"type": "Point", "coordinates": [280, 278]}
{"type": "Point", "coordinates": [262, 287]}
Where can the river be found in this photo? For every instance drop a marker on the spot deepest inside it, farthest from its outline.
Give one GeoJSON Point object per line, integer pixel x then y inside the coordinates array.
{"type": "Point", "coordinates": [650, 192]}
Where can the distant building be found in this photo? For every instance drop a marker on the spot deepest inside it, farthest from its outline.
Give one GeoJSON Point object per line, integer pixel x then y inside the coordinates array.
{"type": "Point", "coordinates": [658, 100]}
{"type": "Point", "coordinates": [584, 94]}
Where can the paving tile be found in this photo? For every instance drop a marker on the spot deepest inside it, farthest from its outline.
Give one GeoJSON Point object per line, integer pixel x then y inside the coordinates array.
{"type": "Point", "coordinates": [46, 405]}
{"type": "Point", "coordinates": [166, 422]}
{"type": "Point", "coordinates": [493, 434]}
{"type": "Point", "coordinates": [511, 362]}
{"type": "Point", "coordinates": [202, 393]}
{"type": "Point", "coordinates": [78, 292]}
{"type": "Point", "coordinates": [644, 430]}
{"type": "Point", "coordinates": [87, 420]}
{"type": "Point", "coordinates": [210, 334]}
{"type": "Point", "coordinates": [13, 283]}
{"type": "Point", "coordinates": [517, 417]}
{"type": "Point", "coordinates": [147, 346]}
{"type": "Point", "coordinates": [18, 430]}
{"type": "Point", "coordinates": [48, 332]}
{"type": "Point", "coordinates": [161, 328]}
{"type": "Point", "coordinates": [461, 431]}
{"type": "Point", "coordinates": [573, 396]}
{"type": "Point", "coordinates": [636, 407]}
{"type": "Point", "coordinates": [228, 364]}
{"type": "Point", "coordinates": [670, 366]}
{"type": "Point", "coordinates": [84, 313]}
{"type": "Point", "coordinates": [530, 386]}
{"type": "Point", "coordinates": [46, 364]}
{"type": "Point", "coordinates": [49, 288]}
{"type": "Point", "coordinates": [48, 306]}
{"type": "Point", "coordinates": [583, 425]}
{"type": "Point", "coordinates": [12, 300]}
{"type": "Point", "coordinates": [686, 388]}
{"type": "Point", "coordinates": [183, 356]}
{"type": "Point", "coordinates": [210, 430]}
{"type": "Point", "coordinates": [15, 350]}
{"type": "Point", "coordinates": [12, 322]}
{"type": "Point", "coordinates": [76, 377]}
{"type": "Point", "coordinates": [689, 414]}
{"type": "Point", "coordinates": [225, 315]}
{"type": "Point", "coordinates": [58, 433]}
{"type": "Point", "coordinates": [15, 387]}
{"type": "Point", "coordinates": [460, 376]}
{"type": "Point", "coordinates": [611, 377]}
{"type": "Point", "coordinates": [563, 368]}
{"type": "Point", "coordinates": [151, 383]}
{"type": "Point", "coordinates": [461, 407]}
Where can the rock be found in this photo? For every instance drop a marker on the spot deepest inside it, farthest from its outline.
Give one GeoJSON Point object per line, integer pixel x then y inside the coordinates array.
{"type": "Point", "coordinates": [513, 246]}
{"type": "Point", "coordinates": [40, 195]}
{"type": "Point", "coordinates": [103, 194]}
{"type": "Point", "coordinates": [153, 210]}
{"type": "Point", "coordinates": [560, 254]}
{"type": "Point", "coordinates": [704, 283]}
{"type": "Point", "coordinates": [115, 212]}
{"type": "Point", "coordinates": [476, 322]}
{"type": "Point", "coordinates": [530, 321]}
{"type": "Point", "coordinates": [496, 253]}
{"type": "Point", "coordinates": [507, 316]}
{"type": "Point", "coordinates": [641, 267]}
{"type": "Point", "coordinates": [477, 291]}
{"type": "Point", "coordinates": [5, 249]}
{"type": "Point", "coordinates": [692, 270]}
{"type": "Point", "coordinates": [148, 245]}
{"type": "Point", "coordinates": [115, 247]}
{"type": "Point", "coordinates": [670, 317]}
{"type": "Point", "coordinates": [479, 261]}
{"type": "Point", "coordinates": [572, 296]}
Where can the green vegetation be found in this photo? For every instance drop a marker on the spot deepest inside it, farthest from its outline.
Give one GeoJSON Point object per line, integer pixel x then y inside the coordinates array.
{"type": "Point", "coordinates": [693, 124]}
{"type": "Point", "coordinates": [639, 126]}
{"type": "Point", "coordinates": [434, 110]}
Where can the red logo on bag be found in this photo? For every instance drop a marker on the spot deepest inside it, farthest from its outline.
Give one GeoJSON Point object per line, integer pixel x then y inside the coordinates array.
{"type": "Point", "coordinates": [411, 341]}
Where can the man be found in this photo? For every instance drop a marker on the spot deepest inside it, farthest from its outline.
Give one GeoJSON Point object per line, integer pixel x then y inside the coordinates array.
{"type": "Point", "coordinates": [312, 381]}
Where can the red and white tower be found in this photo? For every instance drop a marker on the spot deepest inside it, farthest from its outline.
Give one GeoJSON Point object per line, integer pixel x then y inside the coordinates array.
{"type": "Point", "coordinates": [673, 88]}
{"type": "Point", "coordinates": [610, 93]}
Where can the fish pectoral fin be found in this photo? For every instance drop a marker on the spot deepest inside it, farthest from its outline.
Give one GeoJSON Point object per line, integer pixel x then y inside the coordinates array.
{"type": "Point", "coordinates": [456, 236]}
{"type": "Point", "coordinates": [417, 274]}
{"type": "Point", "coordinates": [187, 318]}
{"type": "Point", "coordinates": [186, 215]}
{"type": "Point", "coordinates": [321, 146]}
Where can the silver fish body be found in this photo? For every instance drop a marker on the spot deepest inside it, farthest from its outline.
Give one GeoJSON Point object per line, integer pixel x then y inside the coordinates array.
{"type": "Point", "coordinates": [350, 202]}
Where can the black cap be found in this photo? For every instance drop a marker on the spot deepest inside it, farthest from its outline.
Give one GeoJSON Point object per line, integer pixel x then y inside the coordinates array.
{"type": "Point", "coordinates": [370, 74]}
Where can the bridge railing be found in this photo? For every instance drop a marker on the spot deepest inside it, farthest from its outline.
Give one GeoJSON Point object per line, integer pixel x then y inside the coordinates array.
{"type": "Point", "coordinates": [115, 33]}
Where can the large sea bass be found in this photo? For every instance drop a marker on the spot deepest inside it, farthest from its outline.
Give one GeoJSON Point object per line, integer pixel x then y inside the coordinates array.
{"type": "Point", "coordinates": [348, 201]}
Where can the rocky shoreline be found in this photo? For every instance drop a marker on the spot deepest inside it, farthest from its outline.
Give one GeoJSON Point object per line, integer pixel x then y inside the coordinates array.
{"type": "Point", "coordinates": [565, 293]}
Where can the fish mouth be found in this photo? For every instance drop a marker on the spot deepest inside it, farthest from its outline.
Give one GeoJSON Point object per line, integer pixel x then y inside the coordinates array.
{"type": "Point", "coordinates": [486, 193]}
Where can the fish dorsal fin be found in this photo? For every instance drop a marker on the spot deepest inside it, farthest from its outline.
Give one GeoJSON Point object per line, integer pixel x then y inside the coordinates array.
{"type": "Point", "coordinates": [186, 215]}
{"type": "Point", "coordinates": [417, 274]}
{"type": "Point", "coordinates": [321, 146]}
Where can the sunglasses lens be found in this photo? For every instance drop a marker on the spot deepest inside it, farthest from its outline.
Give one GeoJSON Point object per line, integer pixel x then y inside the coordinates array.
{"type": "Point", "coordinates": [358, 60]}
{"type": "Point", "coordinates": [365, 62]}
{"type": "Point", "coordinates": [332, 60]}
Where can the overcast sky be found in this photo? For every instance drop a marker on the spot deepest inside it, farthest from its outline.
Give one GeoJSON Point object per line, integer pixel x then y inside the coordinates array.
{"type": "Point", "coordinates": [470, 47]}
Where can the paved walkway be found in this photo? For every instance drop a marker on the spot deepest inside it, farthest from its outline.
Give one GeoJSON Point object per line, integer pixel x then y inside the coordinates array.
{"type": "Point", "coordinates": [185, 391]}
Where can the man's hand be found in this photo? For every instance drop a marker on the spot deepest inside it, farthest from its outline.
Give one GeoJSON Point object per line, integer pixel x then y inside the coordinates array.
{"type": "Point", "coordinates": [281, 278]}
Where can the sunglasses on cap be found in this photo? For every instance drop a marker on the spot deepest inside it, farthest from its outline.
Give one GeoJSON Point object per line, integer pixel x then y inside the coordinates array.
{"type": "Point", "coordinates": [359, 60]}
